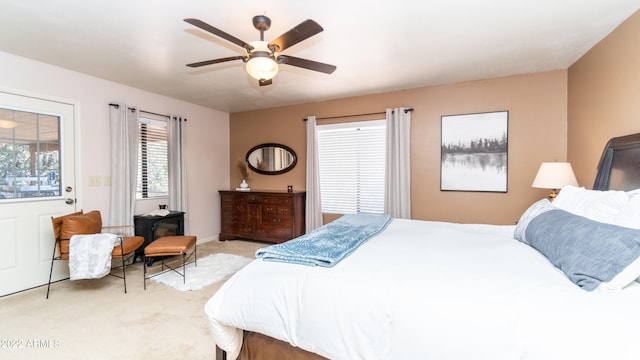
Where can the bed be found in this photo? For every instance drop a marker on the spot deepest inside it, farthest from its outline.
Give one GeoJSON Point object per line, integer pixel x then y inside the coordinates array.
{"type": "Point", "coordinates": [561, 284]}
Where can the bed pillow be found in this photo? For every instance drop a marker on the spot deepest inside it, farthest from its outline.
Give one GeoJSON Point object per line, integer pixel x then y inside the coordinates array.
{"type": "Point", "coordinates": [596, 205]}
{"type": "Point", "coordinates": [593, 255]}
{"type": "Point", "coordinates": [633, 193]}
{"type": "Point", "coordinates": [629, 215]}
{"type": "Point", "coordinates": [534, 210]}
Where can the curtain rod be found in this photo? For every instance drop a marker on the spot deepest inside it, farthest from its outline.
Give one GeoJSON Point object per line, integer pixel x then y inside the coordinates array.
{"type": "Point", "coordinates": [144, 111]}
{"type": "Point", "coordinates": [355, 115]}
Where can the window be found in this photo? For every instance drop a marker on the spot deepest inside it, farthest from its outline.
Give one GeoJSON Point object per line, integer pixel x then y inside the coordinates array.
{"type": "Point", "coordinates": [351, 160]}
{"type": "Point", "coordinates": [29, 154]}
{"type": "Point", "coordinates": [153, 163]}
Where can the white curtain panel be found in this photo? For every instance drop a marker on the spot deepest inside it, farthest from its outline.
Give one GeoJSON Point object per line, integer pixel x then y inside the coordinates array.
{"type": "Point", "coordinates": [397, 194]}
{"type": "Point", "coordinates": [177, 165]}
{"type": "Point", "coordinates": [313, 211]}
{"type": "Point", "coordinates": [124, 164]}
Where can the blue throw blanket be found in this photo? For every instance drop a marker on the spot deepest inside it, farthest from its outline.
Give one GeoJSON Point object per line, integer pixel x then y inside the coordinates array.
{"type": "Point", "coordinates": [328, 244]}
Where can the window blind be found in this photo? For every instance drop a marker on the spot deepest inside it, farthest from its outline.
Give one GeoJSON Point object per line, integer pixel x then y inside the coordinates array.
{"type": "Point", "coordinates": [351, 163]}
{"type": "Point", "coordinates": [153, 164]}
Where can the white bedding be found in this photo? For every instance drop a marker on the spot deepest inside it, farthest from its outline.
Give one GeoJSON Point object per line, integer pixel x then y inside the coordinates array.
{"type": "Point", "coordinates": [429, 290]}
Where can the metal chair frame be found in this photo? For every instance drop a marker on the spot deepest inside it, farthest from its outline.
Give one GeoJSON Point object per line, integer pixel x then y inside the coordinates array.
{"type": "Point", "coordinates": [123, 257]}
{"type": "Point", "coordinates": [169, 268]}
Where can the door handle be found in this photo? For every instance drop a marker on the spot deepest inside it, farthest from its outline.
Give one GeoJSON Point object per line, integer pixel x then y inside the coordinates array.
{"type": "Point", "coordinates": [69, 201]}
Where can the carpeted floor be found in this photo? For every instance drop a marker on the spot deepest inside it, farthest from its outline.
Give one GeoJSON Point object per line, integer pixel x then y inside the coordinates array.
{"type": "Point", "coordinates": [206, 271]}
{"type": "Point", "coordinates": [95, 319]}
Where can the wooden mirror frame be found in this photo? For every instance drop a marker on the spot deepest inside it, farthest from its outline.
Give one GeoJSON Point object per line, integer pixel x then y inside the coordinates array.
{"type": "Point", "coordinates": [283, 170]}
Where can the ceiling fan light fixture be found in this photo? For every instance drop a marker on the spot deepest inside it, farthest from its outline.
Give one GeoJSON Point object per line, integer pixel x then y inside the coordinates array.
{"type": "Point", "coordinates": [261, 59]}
{"type": "Point", "coordinates": [262, 64]}
{"type": "Point", "coordinates": [262, 67]}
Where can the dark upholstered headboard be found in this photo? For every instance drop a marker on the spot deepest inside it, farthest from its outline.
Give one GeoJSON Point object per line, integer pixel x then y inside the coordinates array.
{"type": "Point", "coordinates": [619, 167]}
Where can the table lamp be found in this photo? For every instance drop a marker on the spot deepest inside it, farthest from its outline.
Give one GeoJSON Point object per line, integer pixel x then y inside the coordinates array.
{"type": "Point", "coordinates": [554, 176]}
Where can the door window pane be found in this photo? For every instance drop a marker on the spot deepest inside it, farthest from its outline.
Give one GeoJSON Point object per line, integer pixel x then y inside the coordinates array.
{"type": "Point", "coordinates": [29, 154]}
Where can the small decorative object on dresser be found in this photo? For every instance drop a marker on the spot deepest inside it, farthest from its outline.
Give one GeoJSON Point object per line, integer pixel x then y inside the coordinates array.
{"type": "Point", "coordinates": [271, 216]}
{"type": "Point", "coordinates": [243, 186]}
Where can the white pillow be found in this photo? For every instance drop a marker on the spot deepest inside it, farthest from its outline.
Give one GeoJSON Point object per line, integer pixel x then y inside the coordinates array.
{"type": "Point", "coordinates": [629, 215]}
{"type": "Point", "coordinates": [633, 193]}
{"type": "Point", "coordinates": [602, 206]}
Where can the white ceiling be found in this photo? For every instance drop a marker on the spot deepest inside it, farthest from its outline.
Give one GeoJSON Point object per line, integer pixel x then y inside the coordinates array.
{"type": "Point", "coordinates": [377, 46]}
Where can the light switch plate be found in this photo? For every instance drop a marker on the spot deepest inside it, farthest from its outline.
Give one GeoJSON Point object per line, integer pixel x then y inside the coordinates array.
{"type": "Point", "coordinates": [95, 181]}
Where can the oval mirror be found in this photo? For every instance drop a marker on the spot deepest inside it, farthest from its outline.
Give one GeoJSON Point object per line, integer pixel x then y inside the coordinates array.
{"type": "Point", "coordinates": [271, 159]}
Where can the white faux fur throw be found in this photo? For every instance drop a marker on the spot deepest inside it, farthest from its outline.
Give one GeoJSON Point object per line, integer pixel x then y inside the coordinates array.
{"type": "Point", "coordinates": [90, 255]}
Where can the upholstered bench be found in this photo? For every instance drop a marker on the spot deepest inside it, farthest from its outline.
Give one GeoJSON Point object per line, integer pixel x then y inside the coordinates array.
{"type": "Point", "coordinates": [168, 246]}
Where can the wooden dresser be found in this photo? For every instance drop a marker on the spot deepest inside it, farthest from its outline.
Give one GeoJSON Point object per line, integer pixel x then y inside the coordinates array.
{"type": "Point", "coordinates": [272, 216]}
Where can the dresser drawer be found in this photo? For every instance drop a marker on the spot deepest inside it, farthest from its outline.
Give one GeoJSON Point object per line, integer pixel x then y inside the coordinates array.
{"type": "Point", "coordinates": [274, 234]}
{"type": "Point", "coordinates": [254, 199]}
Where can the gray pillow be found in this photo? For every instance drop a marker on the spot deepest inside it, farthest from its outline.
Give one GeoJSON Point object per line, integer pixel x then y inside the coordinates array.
{"type": "Point", "coordinates": [593, 255]}
{"type": "Point", "coordinates": [534, 210]}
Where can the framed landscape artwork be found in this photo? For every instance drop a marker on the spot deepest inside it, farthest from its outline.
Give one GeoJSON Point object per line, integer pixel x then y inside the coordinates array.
{"type": "Point", "coordinates": [474, 152]}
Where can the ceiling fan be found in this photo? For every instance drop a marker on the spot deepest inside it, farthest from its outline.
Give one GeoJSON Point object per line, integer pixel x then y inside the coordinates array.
{"type": "Point", "coordinates": [262, 58]}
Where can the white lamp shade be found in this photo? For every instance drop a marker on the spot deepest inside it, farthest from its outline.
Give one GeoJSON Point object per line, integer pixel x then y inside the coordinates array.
{"type": "Point", "coordinates": [554, 175]}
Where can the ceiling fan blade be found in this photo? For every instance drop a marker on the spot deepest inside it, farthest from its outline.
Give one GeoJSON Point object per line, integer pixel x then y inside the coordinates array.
{"type": "Point", "coordinates": [265, 82]}
{"type": "Point", "coordinates": [307, 64]}
{"type": "Point", "coordinates": [303, 31]}
{"type": "Point", "coordinates": [215, 31]}
{"type": "Point", "coordinates": [215, 61]}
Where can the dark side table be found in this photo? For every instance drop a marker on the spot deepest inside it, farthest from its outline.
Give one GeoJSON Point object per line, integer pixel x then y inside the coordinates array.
{"type": "Point", "coordinates": [153, 227]}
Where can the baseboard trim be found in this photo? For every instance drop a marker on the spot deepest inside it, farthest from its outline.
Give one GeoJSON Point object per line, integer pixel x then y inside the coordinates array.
{"type": "Point", "coordinates": [207, 239]}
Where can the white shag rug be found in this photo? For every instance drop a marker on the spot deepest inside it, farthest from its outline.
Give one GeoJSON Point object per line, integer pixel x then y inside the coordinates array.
{"type": "Point", "coordinates": [210, 270]}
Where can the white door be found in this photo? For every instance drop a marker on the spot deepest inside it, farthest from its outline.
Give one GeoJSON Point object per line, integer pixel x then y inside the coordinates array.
{"type": "Point", "coordinates": [37, 181]}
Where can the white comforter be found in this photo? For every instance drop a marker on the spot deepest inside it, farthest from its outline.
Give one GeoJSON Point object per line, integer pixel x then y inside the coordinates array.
{"type": "Point", "coordinates": [429, 290]}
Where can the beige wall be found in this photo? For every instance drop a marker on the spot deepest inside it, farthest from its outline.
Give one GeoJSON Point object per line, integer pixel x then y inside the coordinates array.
{"type": "Point", "coordinates": [537, 105]}
{"type": "Point", "coordinates": [604, 97]}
